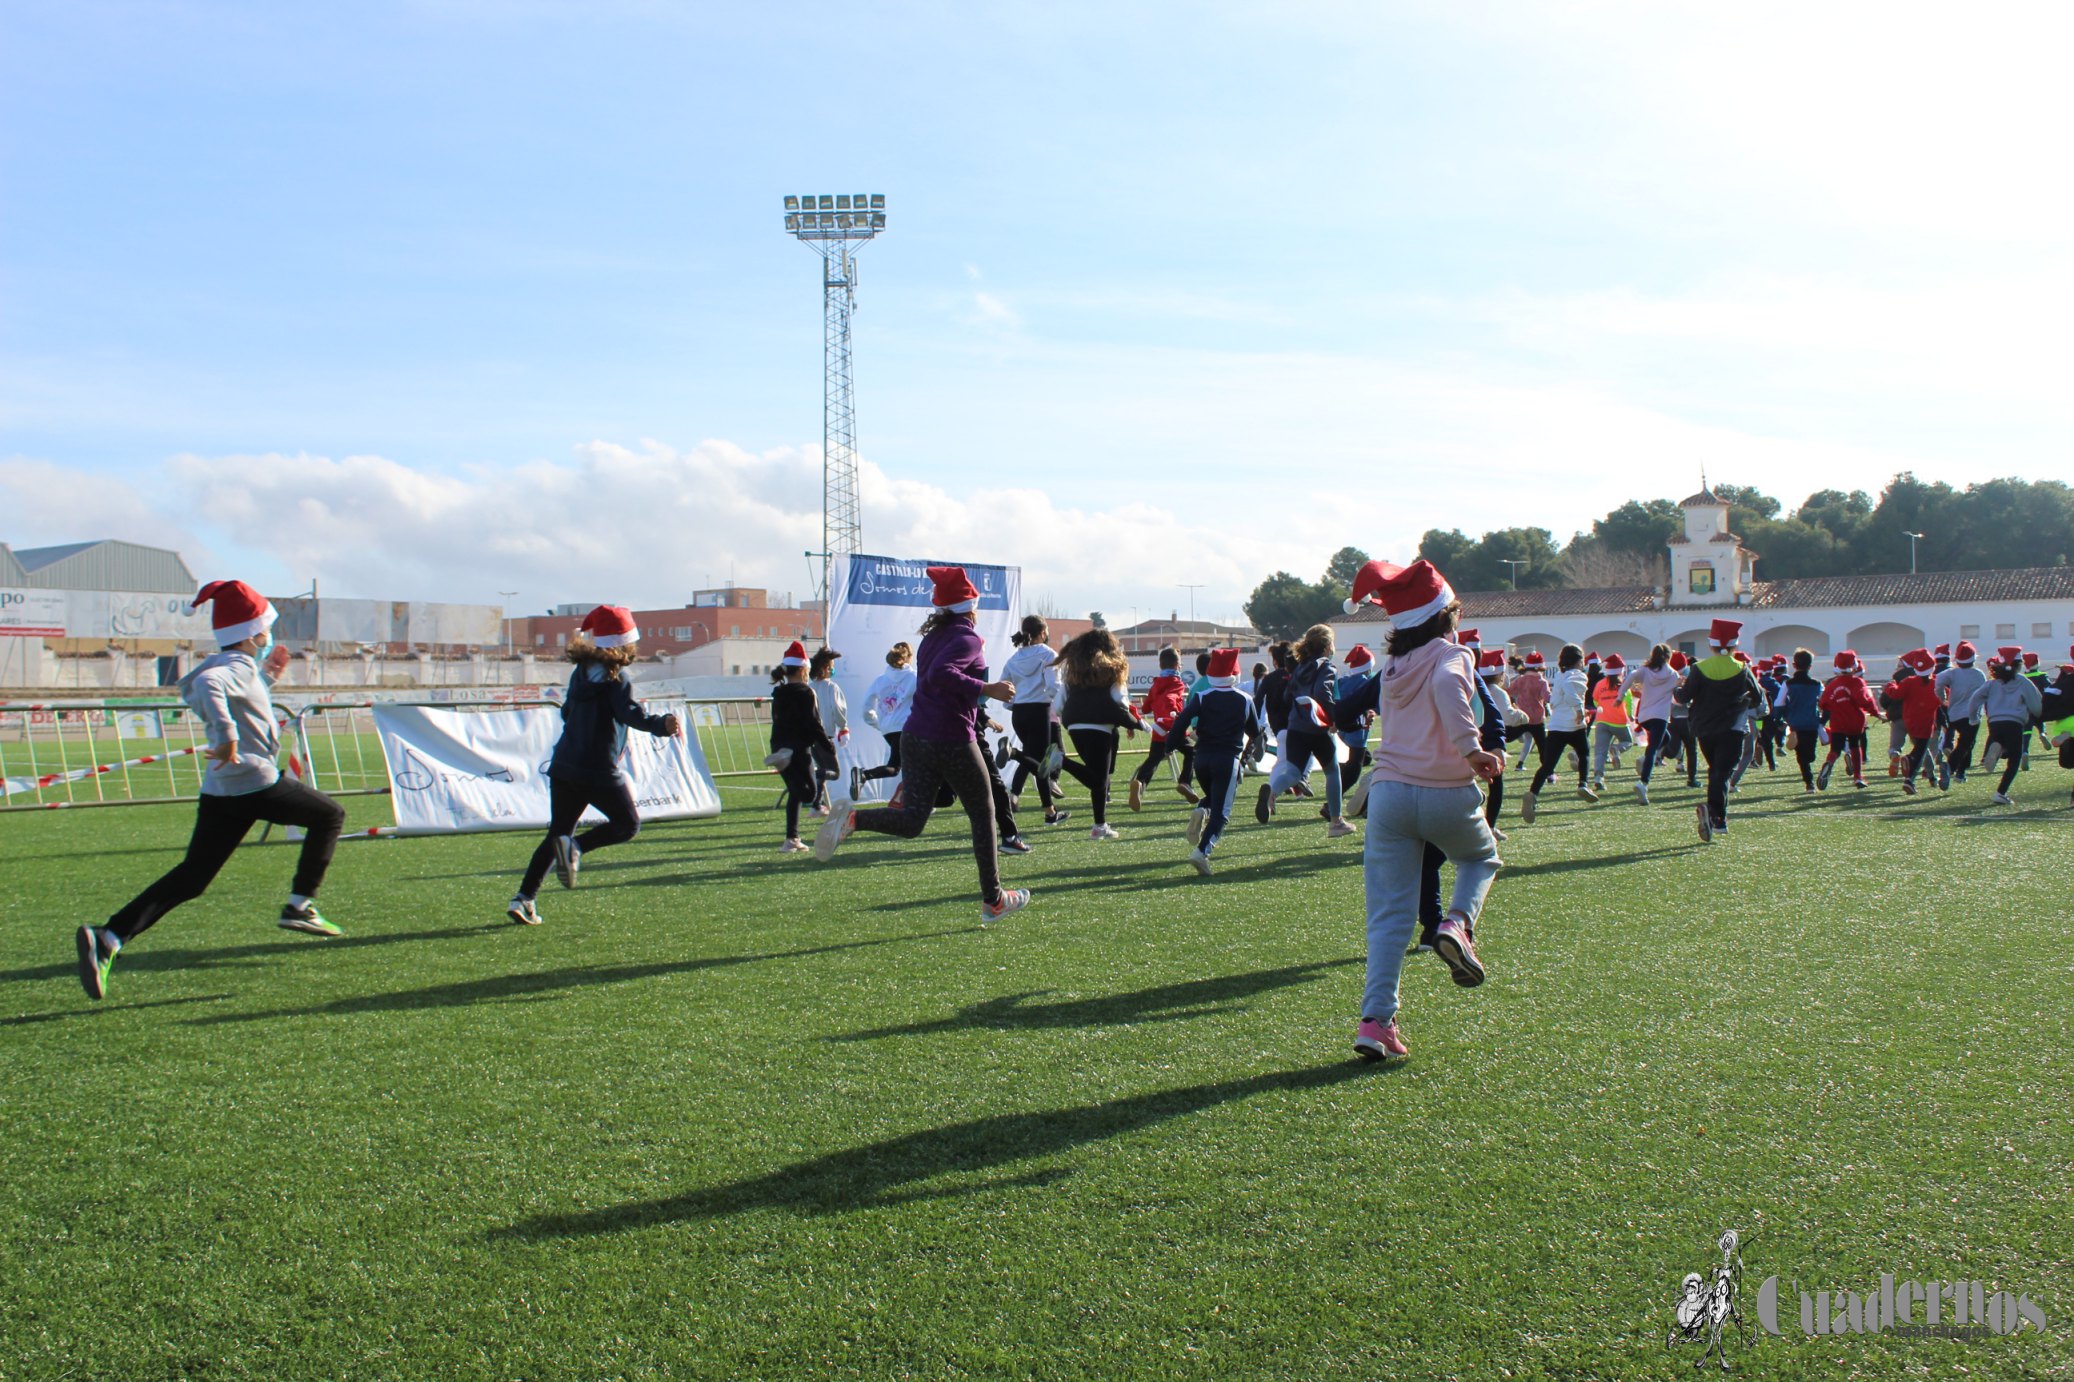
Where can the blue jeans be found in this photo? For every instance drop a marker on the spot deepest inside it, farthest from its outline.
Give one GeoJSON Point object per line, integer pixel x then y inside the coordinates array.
{"type": "Point", "coordinates": [1402, 820]}
{"type": "Point", "coordinates": [1218, 775]}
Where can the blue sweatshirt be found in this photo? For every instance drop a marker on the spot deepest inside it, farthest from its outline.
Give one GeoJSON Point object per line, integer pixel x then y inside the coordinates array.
{"type": "Point", "coordinates": [596, 714]}
{"type": "Point", "coordinates": [1223, 720]}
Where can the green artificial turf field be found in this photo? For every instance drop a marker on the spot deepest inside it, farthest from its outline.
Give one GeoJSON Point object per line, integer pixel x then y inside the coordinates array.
{"type": "Point", "coordinates": [728, 1114]}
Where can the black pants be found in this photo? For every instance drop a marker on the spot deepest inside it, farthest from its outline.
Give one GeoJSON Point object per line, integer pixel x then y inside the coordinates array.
{"type": "Point", "coordinates": [1553, 743]}
{"type": "Point", "coordinates": [1494, 795]}
{"type": "Point", "coordinates": [997, 790]}
{"type": "Point", "coordinates": [826, 770]}
{"type": "Point", "coordinates": [1097, 749]}
{"type": "Point", "coordinates": [565, 803]}
{"type": "Point", "coordinates": [800, 787]}
{"type": "Point", "coordinates": [2010, 735]}
{"type": "Point", "coordinates": [1724, 753]}
{"type": "Point", "coordinates": [219, 824]}
{"type": "Point", "coordinates": [1851, 748]}
{"type": "Point", "coordinates": [1532, 733]}
{"type": "Point", "coordinates": [1160, 749]}
{"type": "Point", "coordinates": [891, 767]}
{"type": "Point", "coordinates": [1964, 734]}
{"type": "Point", "coordinates": [1659, 732]}
{"type": "Point", "coordinates": [1805, 742]}
{"type": "Point", "coordinates": [1035, 732]}
{"type": "Point", "coordinates": [1678, 743]}
{"type": "Point", "coordinates": [1918, 750]}
{"type": "Point", "coordinates": [962, 766]}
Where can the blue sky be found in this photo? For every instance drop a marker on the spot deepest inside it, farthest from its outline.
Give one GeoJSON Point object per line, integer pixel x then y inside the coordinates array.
{"type": "Point", "coordinates": [434, 300]}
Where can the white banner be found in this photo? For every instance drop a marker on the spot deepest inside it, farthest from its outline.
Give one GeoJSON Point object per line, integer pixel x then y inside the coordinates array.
{"type": "Point", "coordinates": [464, 770]}
{"type": "Point", "coordinates": [875, 602]}
{"type": "Point", "coordinates": [32, 613]}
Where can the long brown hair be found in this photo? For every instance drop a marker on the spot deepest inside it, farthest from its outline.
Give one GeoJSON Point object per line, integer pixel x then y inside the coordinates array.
{"type": "Point", "coordinates": [942, 618]}
{"type": "Point", "coordinates": [585, 653]}
{"type": "Point", "coordinates": [1317, 642]}
{"type": "Point", "coordinates": [1094, 658]}
{"type": "Point", "coordinates": [1659, 657]}
{"type": "Point", "coordinates": [1419, 635]}
{"type": "Point", "coordinates": [1035, 630]}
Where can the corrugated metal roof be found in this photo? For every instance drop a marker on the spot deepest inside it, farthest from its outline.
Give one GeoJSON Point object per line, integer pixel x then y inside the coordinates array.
{"type": "Point", "coordinates": [11, 572]}
{"type": "Point", "coordinates": [109, 564]}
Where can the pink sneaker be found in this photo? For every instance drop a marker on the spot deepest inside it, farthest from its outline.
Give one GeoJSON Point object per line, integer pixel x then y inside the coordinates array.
{"type": "Point", "coordinates": [1451, 942]}
{"type": "Point", "coordinates": [1375, 1040]}
{"type": "Point", "coordinates": [1012, 900]}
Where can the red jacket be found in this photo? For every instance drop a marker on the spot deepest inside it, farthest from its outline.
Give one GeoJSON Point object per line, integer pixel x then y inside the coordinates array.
{"type": "Point", "coordinates": [1847, 701]}
{"type": "Point", "coordinates": [1163, 701]}
{"type": "Point", "coordinates": [1919, 705]}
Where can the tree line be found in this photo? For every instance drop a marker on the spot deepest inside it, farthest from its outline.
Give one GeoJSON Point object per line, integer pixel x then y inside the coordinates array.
{"type": "Point", "coordinates": [1998, 524]}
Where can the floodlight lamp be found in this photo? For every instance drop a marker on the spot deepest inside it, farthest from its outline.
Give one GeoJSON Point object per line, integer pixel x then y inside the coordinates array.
{"type": "Point", "coordinates": [860, 201]}
{"type": "Point", "coordinates": [878, 220]}
{"type": "Point", "coordinates": [878, 201]}
{"type": "Point", "coordinates": [827, 202]}
{"type": "Point", "coordinates": [792, 203]}
{"type": "Point", "coordinates": [842, 219]}
{"type": "Point", "coordinates": [842, 201]}
{"type": "Point", "coordinates": [792, 220]}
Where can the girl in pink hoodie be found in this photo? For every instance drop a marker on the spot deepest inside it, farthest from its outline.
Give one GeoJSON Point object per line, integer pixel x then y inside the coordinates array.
{"type": "Point", "coordinates": [1424, 791]}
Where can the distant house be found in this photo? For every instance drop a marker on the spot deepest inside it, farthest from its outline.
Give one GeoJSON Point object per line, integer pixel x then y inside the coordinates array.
{"type": "Point", "coordinates": [1712, 574]}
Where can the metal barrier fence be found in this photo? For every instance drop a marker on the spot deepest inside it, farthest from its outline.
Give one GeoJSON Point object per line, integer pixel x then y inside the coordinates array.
{"type": "Point", "coordinates": [123, 752]}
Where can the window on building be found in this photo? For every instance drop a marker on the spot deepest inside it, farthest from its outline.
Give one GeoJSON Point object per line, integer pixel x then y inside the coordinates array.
{"type": "Point", "coordinates": [734, 630]}
{"type": "Point", "coordinates": [539, 640]}
{"type": "Point", "coordinates": [561, 639]}
{"type": "Point", "coordinates": [2043, 630]}
{"type": "Point", "coordinates": [2005, 630]}
{"type": "Point", "coordinates": [735, 670]}
{"type": "Point", "coordinates": [1969, 630]}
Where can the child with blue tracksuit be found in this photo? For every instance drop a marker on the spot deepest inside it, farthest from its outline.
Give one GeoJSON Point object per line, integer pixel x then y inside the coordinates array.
{"type": "Point", "coordinates": [1225, 727]}
{"type": "Point", "coordinates": [597, 711]}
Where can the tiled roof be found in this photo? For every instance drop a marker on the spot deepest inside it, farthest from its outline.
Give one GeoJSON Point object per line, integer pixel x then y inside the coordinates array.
{"type": "Point", "coordinates": [1927, 588]}
{"type": "Point", "coordinates": [1814, 592]}
{"type": "Point", "coordinates": [1704, 498]}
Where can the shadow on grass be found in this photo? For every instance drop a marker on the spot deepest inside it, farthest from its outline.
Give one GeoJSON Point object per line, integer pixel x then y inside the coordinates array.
{"type": "Point", "coordinates": [544, 982]}
{"type": "Point", "coordinates": [1164, 1003]}
{"type": "Point", "coordinates": [25, 1019]}
{"type": "Point", "coordinates": [873, 1176]}
{"type": "Point", "coordinates": [1595, 861]}
{"type": "Point", "coordinates": [145, 958]}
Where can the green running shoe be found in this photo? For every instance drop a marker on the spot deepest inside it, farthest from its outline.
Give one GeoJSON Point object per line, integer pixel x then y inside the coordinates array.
{"type": "Point", "coordinates": [308, 920]}
{"type": "Point", "coordinates": [95, 960]}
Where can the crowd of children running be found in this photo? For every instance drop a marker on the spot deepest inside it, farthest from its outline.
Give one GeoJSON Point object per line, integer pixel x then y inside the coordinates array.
{"type": "Point", "coordinates": [1416, 742]}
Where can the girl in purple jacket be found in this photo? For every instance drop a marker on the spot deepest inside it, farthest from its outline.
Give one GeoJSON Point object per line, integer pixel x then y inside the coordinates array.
{"type": "Point", "coordinates": [940, 747]}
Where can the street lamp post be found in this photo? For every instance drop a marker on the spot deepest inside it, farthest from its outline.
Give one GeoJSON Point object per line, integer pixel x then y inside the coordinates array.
{"type": "Point", "coordinates": [1911, 549]}
{"type": "Point", "coordinates": [1513, 569]}
{"type": "Point", "coordinates": [1191, 589]}
{"type": "Point", "coordinates": [507, 594]}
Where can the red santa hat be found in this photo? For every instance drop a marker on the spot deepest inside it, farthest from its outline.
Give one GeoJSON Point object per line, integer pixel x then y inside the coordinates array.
{"type": "Point", "coordinates": [1723, 633]}
{"type": "Point", "coordinates": [1944, 650]}
{"type": "Point", "coordinates": [610, 626]}
{"type": "Point", "coordinates": [1919, 660]}
{"type": "Point", "coordinates": [2030, 661]}
{"type": "Point", "coordinates": [2011, 654]}
{"type": "Point", "coordinates": [1845, 661]}
{"type": "Point", "coordinates": [955, 593]}
{"type": "Point", "coordinates": [1615, 662]}
{"type": "Point", "coordinates": [1678, 662]}
{"type": "Point", "coordinates": [1410, 595]}
{"type": "Point", "coordinates": [238, 611]}
{"type": "Point", "coordinates": [1358, 656]}
{"type": "Point", "coordinates": [1469, 638]}
{"type": "Point", "coordinates": [1966, 653]}
{"type": "Point", "coordinates": [1491, 664]}
{"type": "Point", "coordinates": [1592, 658]}
{"type": "Point", "coordinates": [1224, 667]}
{"type": "Point", "coordinates": [1742, 657]}
{"type": "Point", "coordinates": [1534, 660]}
{"type": "Point", "coordinates": [795, 655]}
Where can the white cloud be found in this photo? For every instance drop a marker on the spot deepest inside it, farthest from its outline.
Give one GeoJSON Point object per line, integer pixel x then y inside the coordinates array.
{"type": "Point", "coordinates": [47, 505]}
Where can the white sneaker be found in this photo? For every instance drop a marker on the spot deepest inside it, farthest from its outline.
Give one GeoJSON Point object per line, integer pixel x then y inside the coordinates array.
{"type": "Point", "coordinates": [568, 860]}
{"type": "Point", "coordinates": [1200, 862]}
{"type": "Point", "coordinates": [521, 910]}
{"type": "Point", "coordinates": [1500, 836]}
{"type": "Point", "coordinates": [1012, 900]}
{"type": "Point", "coordinates": [1642, 792]}
{"type": "Point", "coordinates": [1989, 759]}
{"type": "Point", "coordinates": [1339, 830]}
{"type": "Point", "coordinates": [1526, 808]}
{"type": "Point", "coordinates": [1357, 795]}
{"type": "Point", "coordinates": [1102, 832]}
{"type": "Point", "coordinates": [1198, 821]}
{"type": "Point", "coordinates": [833, 832]}
{"type": "Point", "coordinates": [780, 759]}
{"type": "Point", "coordinates": [2002, 799]}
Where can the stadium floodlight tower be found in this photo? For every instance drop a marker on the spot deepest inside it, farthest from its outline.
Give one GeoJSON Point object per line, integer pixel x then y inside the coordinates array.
{"type": "Point", "coordinates": [836, 227]}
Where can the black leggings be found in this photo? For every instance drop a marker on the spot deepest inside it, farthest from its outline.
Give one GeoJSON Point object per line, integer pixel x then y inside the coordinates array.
{"type": "Point", "coordinates": [1035, 732]}
{"type": "Point", "coordinates": [1659, 732]}
{"type": "Point", "coordinates": [219, 824]}
{"type": "Point", "coordinates": [800, 788]}
{"type": "Point", "coordinates": [1552, 747]}
{"type": "Point", "coordinates": [934, 763]}
{"type": "Point", "coordinates": [2010, 735]}
{"type": "Point", "coordinates": [1964, 734]}
{"type": "Point", "coordinates": [1805, 742]}
{"type": "Point", "coordinates": [1724, 754]}
{"type": "Point", "coordinates": [1097, 749]}
{"type": "Point", "coordinates": [565, 803]}
{"type": "Point", "coordinates": [891, 767]}
{"type": "Point", "coordinates": [1160, 749]}
{"type": "Point", "coordinates": [1849, 747]}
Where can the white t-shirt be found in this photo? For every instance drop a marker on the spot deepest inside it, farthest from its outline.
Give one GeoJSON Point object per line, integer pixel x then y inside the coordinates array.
{"type": "Point", "coordinates": [1653, 688]}
{"type": "Point", "coordinates": [890, 699]}
{"type": "Point", "coordinates": [1566, 691]}
{"type": "Point", "coordinates": [1034, 673]}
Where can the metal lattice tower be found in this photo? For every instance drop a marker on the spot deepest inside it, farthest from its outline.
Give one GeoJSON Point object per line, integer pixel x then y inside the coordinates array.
{"type": "Point", "coordinates": [835, 227]}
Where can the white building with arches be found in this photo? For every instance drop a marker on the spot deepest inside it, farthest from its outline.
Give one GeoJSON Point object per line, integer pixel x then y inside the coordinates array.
{"type": "Point", "coordinates": [1713, 575]}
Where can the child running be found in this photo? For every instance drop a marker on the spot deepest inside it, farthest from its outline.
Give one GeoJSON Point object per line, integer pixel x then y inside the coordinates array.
{"type": "Point", "coordinates": [1222, 718]}
{"type": "Point", "coordinates": [1656, 681]}
{"type": "Point", "coordinates": [241, 785]}
{"type": "Point", "coordinates": [1914, 690]}
{"type": "Point", "coordinates": [1529, 692]}
{"type": "Point", "coordinates": [597, 710]}
{"type": "Point", "coordinates": [834, 709]}
{"type": "Point", "coordinates": [1847, 703]}
{"type": "Point", "coordinates": [1798, 706]}
{"type": "Point", "coordinates": [1032, 670]}
{"type": "Point", "coordinates": [1719, 694]}
{"type": "Point", "coordinates": [1428, 761]}
{"type": "Point", "coordinates": [886, 705]}
{"type": "Point", "coordinates": [1093, 706]}
{"type": "Point", "coordinates": [1163, 701]}
{"type": "Point", "coordinates": [2007, 702]}
{"type": "Point", "coordinates": [1564, 730]}
{"type": "Point", "coordinates": [941, 743]}
{"type": "Point", "coordinates": [1610, 716]}
{"type": "Point", "coordinates": [1310, 738]}
{"type": "Point", "coordinates": [798, 740]}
